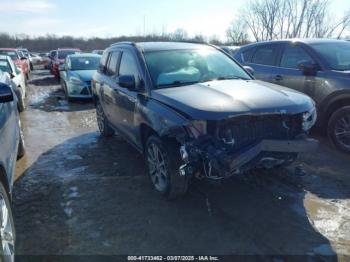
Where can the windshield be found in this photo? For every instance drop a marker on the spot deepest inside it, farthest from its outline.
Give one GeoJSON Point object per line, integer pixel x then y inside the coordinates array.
{"type": "Point", "coordinates": [84, 63]}
{"type": "Point", "coordinates": [337, 54]}
{"type": "Point", "coordinates": [4, 66]}
{"type": "Point", "coordinates": [11, 54]}
{"type": "Point", "coordinates": [64, 54]}
{"type": "Point", "coordinates": [183, 67]}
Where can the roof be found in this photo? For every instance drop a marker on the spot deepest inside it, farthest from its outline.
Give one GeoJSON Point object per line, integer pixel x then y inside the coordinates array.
{"type": "Point", "coordinates": [299, 40]}
{"type": "Point", "coordinates": [159, 46]}
{"type": "Point", "coordinates": [8, 49]}
{"type": "Point", "coordinates": [67, 48]}
{"type": "Point", "coordinates": [84, 55]}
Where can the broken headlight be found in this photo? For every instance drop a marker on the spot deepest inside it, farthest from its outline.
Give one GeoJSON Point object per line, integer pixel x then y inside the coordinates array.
{"type": "Point", "coordinates": [309, 119]}
{"type": "Point", "coordinates": [197, 128]}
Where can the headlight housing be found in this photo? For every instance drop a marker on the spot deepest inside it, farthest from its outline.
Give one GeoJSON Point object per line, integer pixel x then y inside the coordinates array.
{"type": "Point", "coordinates": [76, 81]}
{"type": "Point", "coordinates": [197, 128]}
{"type": "Point", "coordinates": [309, 119]}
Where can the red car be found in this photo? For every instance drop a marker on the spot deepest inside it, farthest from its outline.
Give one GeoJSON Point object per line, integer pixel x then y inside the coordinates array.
{"type": "Point", "coordinates": [59, 58]}
{"type": "Point", "coordinates": [20, 61]}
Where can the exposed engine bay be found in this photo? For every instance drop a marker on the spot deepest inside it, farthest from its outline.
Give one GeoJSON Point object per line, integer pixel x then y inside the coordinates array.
{"type": "Point", "coordinates": [235, 145]}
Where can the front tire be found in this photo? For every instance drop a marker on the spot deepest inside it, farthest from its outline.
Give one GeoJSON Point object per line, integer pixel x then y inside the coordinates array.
{"type": "Point", "coordinates": [7, 228]}
{"type": "Point", "coordinates": [163, 163]}
{"type": "Point", "coordinates": [20, 102]}
{"type": "Point", "coordinates": [21, 145]}
{"type": "Point", "coordinates": [339, 129]}
{"type": "Point", "coordinates": [102, 122]}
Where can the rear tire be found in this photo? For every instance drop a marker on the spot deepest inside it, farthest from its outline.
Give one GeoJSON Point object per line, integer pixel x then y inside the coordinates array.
{"type": "Point", "coordinates": [102, 122]}
{"type": "Point", "coordinates": [163, 162]}
{"type": "Point", "coordinates": [339, 129]}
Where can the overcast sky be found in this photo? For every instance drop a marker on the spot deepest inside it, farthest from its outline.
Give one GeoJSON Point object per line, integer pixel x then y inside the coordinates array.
{"type": "Point", "coordinates": [107, 18]}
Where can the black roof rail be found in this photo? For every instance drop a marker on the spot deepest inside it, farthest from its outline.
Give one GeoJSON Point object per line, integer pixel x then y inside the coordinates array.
{"type": "Point", "coordinates": [123, 43]}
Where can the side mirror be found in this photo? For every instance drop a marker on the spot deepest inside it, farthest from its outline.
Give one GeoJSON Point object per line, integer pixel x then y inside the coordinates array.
{"type": "Point", "coordinates": [6, 94]}
{"type": "Point", "coordinates": [308, 67]}
{"type": "Point", "coordinates": [249, 69]}
{"type": "Point", "coordinates": [127, 81]}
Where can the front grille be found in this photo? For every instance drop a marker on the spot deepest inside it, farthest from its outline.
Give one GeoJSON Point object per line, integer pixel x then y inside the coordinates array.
{"type": "Point", "coordinates": [85, 91]}
{"type": "Point", "coordinates": [250, 130]}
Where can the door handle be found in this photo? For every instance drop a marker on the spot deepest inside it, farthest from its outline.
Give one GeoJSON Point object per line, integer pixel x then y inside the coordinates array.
{"type": "Point", "coordinates": [278, 78]}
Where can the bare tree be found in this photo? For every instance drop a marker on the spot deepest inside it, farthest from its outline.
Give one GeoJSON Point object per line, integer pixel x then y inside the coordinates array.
{"type": "Point", "coordinates": [277, 19]}
{"type": "Point", "coordinates": [237, 32]}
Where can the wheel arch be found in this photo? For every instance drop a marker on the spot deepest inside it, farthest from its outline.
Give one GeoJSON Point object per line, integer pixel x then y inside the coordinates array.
{"type": "Point", "coordinates": [4, 179]}
{"type": "Point", "coordinates": [332, 104]}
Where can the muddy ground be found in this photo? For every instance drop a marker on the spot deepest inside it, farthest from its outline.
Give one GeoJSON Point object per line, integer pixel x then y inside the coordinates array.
{"type": "Point", "coordinates": [79, 194]}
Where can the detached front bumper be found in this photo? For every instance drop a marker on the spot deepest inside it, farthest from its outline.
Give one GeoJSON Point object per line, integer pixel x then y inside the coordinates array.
{"type": "Point", "coordinates": [218, 162]}
{"type": "Point", "coordinates": [273, 146]}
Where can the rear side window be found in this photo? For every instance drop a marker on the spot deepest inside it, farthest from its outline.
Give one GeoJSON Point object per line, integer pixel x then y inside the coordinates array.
{"type": "Point", "coordinates": [128, 66]}
{"type": "Point", "coordinates": [265, 55]}
{"type": "Point", "coordinates": [293, 55]}
{"type": "Point", "coordinates": [247, 55]}
{"type": "Point", "coordinates": [113, 63]}
{"type": "Point", "coordinates": [103, 63]}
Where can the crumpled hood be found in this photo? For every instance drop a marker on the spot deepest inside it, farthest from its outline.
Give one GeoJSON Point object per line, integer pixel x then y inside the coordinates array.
{"type": "Point", "coordinates": [221, 99]}
{"type": "Point", "coordinates": [83, 75]}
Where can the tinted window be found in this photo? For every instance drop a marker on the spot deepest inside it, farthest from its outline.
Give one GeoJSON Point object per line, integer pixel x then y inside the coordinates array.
{"type": "Point", "coordinates": [84, 63]}
{"type": "Point", "coordinates": [247, 55]}
{"type": "Point", "coordinates": [12, 54]}
{"type": "Point", "coordinates": [128, 66]}
{"type": "Point", "coordinates": [5, 66]}
{"type": "Point", "coordinates": [293, 55]}
{"type": "Point", "coordinates": [265, 55]}
{"type": "Point", "coordinates": [103, 63]}
{"type": "Point", "coordinates": [113, 62]}
{"type": "Point", "coordinates": [337, 54]}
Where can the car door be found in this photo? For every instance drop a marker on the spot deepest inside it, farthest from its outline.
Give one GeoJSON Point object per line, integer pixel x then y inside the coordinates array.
{"type": "Point", "coordinates": [108, 90]}
{"type": "Point", "coordinates": [8, 136]}
{"type": "Point", "coordinates": [291, 76]}
{"type": "Point", "coordinates": [264, 60]}
{"type": "Point", "coordinates": [126, 99]}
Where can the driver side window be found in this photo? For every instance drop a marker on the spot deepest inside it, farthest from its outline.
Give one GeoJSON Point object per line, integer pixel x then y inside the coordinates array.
{"type": "Point", "coordinates": [293, 55]}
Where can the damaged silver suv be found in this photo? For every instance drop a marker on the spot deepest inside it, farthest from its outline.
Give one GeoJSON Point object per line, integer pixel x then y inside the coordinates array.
{"type": "Point", "coordinates": [194, 112]}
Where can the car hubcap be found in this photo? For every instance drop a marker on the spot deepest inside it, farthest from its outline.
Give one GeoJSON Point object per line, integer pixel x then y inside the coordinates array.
{"type": "Point", "coordinates": [157, 168]}
{"type": "Point", "coordinates": [100, 118]}
{"type": "Point", "coordinates": [6, 232]}
{"type": "Point", "coordinates": [342, 131]}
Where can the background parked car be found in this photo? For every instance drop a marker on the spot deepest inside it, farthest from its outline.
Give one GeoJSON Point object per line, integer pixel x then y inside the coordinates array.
{"type": "Point", "coordinates": [18, 58]}
{"type": "Point", "coordinates": [28, 56]}
{"type": "Point", "coordinates": [60, 57]}
{"type": "Point", "coordinates": [231, 50]}
{"type": "Point", "coordinates": [12, 148]}
{"type": "Point", "coordinates": [52, 55]}
{"type": "Point", "coordinates": [99, 52]}
{"type": "Point", "coordinates": [76, 75]}
{"type": "Point", "coordinates": [317, 67]}
{"type": "Point", "coordinates": [18, 81]}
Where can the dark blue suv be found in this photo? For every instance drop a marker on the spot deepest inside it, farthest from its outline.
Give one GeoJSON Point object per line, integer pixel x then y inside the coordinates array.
{"type": "Point", "coordinates": [194, 112]}
{"type": "Point", "coordinates": [11, 148]}
{"type": "Point", "coordinates": [319, 68]}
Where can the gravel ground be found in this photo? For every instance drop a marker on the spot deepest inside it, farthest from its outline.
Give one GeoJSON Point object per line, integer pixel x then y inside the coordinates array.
{"type": "Point", "coordinates": [79, 194]}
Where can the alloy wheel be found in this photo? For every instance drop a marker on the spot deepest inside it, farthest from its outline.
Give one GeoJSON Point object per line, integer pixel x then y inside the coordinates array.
{"type": "Point", "coordinates": [6, 232]}
{"type": "Point", "coordinates": [342, 131]}
{"type": "Point", "coordinates": [157, 168]}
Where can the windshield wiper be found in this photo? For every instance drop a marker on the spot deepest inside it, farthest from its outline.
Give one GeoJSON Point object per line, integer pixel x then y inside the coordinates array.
{"type": "Point", "coordinates": [220, 78]}
{"type": "Point", "coordinates": [177, 83]}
